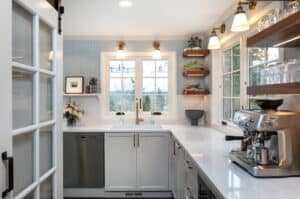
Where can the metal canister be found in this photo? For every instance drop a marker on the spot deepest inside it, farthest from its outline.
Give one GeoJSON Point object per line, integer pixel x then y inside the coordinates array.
{"type": "Point", "coordinates": [264, 159]}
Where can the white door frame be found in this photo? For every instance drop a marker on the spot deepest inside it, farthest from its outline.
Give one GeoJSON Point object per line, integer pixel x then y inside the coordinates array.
{"type": "Point", "coordinates": [41, 10]}
{"type": "Point", "coordinates": [5, 87]}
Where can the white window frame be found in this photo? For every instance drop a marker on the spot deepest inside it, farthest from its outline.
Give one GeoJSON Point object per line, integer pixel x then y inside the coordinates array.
{"type": "Point", "coordinates": [139, 57]}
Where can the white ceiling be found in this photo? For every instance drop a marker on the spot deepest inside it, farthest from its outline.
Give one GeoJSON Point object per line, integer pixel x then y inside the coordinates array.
{"type": "Point", "coordinates": [144, 18]}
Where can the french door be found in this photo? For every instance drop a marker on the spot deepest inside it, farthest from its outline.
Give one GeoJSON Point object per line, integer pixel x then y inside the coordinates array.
{"type": "Point", "coordinates": [28, 139]}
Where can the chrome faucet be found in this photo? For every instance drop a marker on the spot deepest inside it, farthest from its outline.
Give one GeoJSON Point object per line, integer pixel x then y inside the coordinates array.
{"type": "Point", "coordinates": [138, 106]}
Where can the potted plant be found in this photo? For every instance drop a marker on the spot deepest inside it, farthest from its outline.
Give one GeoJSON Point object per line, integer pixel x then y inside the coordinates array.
{"type": "Point", "coordinates": [93, 85]}
{"type": "Point", "coordinates": [72, 113]}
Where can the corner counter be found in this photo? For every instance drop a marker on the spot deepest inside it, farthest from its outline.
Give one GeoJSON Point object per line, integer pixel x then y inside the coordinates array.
{"type": "Point", "coordinates": [209, 151]}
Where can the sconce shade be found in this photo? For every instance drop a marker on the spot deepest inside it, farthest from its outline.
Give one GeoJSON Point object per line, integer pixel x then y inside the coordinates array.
{"type": "Point", "coordinates": [121, 52]}
{"type": "Point", "coordinates": [240, 22]}
{"type": "Point", "coordinates": [156, 52]}
{"type": "Point", "coordinates": [214, 42]}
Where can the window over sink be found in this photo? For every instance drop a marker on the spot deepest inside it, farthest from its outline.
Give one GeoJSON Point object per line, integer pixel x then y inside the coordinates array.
{"type": "Point", "coordinates": [139, 79]}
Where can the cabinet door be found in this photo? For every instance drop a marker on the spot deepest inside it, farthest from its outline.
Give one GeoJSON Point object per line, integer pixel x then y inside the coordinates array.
{"type": "Point", "coordinates": [120, 162]}
{"type": "Point", "coordinates": [180, 168]}
{"type": "Point", "coordinates": [153, 161]}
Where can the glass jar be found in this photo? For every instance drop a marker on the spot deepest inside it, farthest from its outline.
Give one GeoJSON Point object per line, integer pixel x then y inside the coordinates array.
{"type": "Point", "coordinates": [273, 17]}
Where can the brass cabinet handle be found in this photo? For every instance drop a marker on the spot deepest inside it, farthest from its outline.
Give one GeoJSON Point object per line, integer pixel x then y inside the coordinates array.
{"type": "Point", "coordinates": [138, 141]}
{"type": "Point", "coordinates": [133, 140]}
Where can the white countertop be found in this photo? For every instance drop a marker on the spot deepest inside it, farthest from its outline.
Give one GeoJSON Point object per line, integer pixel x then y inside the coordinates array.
{"type": "Point", "coordinates": [210, 152]}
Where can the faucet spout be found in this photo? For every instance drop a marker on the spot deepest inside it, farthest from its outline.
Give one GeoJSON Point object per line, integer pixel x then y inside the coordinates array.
{"type": "Point", "coordinates": [137, 110]}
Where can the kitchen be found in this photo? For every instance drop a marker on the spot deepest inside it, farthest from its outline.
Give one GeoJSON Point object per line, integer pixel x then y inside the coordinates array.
{"type": "Point", "coordinates": [150, 99]}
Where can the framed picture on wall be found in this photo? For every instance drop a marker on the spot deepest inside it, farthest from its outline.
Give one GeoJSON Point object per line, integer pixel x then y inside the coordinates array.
{"type": "Point", "coordinates": [74, 84]}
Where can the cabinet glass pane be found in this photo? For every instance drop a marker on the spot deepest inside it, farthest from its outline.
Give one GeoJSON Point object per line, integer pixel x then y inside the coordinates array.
{"type": "Point", "coordinates": [23, 151]}
{"type": "Point", "coordinates": [22, 36]}
{"type": "Point", "coordinates": [46, 53]}
{"type": "Point", "coordinates": [46, 109]}
{"type": "Point", "coordinates": [46, 149]}
{"type": "Point", "coordinates": [22, 99]}
{"type": "Point", "coordinates": [46, 189]}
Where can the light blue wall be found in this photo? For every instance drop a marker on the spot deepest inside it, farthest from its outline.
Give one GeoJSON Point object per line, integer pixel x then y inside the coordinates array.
{"type": "Point", "coordinates": [82, 57]}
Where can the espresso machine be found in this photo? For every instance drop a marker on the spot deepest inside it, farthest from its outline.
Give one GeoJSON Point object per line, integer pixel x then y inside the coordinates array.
{"type": "Point", "coordinates": [270, 146]}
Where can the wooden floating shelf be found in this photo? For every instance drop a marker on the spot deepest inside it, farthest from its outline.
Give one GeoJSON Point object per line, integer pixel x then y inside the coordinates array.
{"type": "Point", "coordinates": [82, 95]}
{"type": "Point", "coordinates": [195, 74]}
{"type": "Point", "coordinates": [206, 92]}
{"type": "Point", "coordinates": [285, 33]}
{"type": "Point", "coordinates": [275, 89]}
{"type": "Point", "coordinates": [196, 53]}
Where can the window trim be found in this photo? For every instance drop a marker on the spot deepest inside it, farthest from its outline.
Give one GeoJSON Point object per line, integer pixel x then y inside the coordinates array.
{"type": "Point", "coordinates": [139, 57]}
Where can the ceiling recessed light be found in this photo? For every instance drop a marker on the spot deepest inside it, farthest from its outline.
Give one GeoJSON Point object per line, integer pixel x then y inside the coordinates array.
{"type": "Point", "coordinates": [125, 4]}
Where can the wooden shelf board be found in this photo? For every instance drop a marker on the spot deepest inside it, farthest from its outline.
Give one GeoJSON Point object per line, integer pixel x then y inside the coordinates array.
{"type": "Point", "coordinates": [286, 33]}
{"type": "Point", "coordinates": [196, 93]}
{"type": "Point", "coordinates": [275, 89]}
{"type": "Point", "coordinates": [196, 53]}
{"type": "Point", "coordinates": [82, 95]}
{"type": "Point", "coordinates": [202, 74]}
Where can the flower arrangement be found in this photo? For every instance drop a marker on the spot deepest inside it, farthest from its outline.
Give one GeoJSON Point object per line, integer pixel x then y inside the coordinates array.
{"type": "Point", "coordinates": [72, 113]}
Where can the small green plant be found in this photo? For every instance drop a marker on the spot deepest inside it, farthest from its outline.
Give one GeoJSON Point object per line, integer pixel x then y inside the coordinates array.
{"type": "Point", "coordinates": [195, 42]}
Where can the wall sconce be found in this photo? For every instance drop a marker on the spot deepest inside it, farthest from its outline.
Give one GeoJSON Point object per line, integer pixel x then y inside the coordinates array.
{"type": "Point", "coordinates": [121, 51]}
{"type": "Point", "coordinates": [214, 42]}
{"type": "Point", "coordinates": [156, 50]}
{"type": "Point", "coordinates": [240, 21]}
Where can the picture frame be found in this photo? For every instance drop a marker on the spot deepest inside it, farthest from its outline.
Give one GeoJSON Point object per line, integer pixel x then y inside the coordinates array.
{"type": "Point", "coordinates": [74, 84]}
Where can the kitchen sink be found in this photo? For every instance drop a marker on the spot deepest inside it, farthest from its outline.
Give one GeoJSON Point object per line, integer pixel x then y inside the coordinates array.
{"type": "Point", "coordinates": [145, 127]}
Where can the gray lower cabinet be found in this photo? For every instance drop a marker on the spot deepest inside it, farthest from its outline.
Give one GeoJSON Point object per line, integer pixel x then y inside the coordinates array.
{"type": "Point", "coordinates": [83, 160]}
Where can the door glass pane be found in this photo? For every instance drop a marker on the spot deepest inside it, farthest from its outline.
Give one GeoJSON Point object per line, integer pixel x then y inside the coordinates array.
{"type": "Point", "coordinates": [226, 109]}
{"type": "Point", "coordinates": [22, 37]}
{"type": "Point", "coordinates": [236, 84]}
{"type": "Point", "coordinates": [227, 85]}
{"type": "Point", "coordinates": [46, 189]}
{"type": "Point", "coordinates": [236, 57]}
{"type": "Point", "coordinates": [22, 99]}
{"type": "Point", "coordinates": [23, 150]}
{"type": "Point", "coordinates": [227, 61]}
{"type": "Point", "coordinates": [46, 109]}
{"type": "Point", "coordinates": [235, 106]}
{"type": "Point", "coordinates": [46, 50]}
{"type": "Point", "coordinates": [46, 149]}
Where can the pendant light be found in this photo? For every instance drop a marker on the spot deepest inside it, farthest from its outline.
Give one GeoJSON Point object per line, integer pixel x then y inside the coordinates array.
{"type": "Point", "coordinates": [214, 42]}
{"type": "Point", "coordinates": [240, 21]}
{"type": "Point", "coordinates": [156, 50]}
{"type": "Point", "coordinates": [121, 51]}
